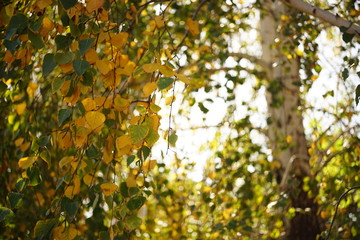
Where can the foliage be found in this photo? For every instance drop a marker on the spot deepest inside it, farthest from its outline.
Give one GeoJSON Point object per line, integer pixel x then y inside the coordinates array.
{"type": "Point", "coordinates": [84, 87]}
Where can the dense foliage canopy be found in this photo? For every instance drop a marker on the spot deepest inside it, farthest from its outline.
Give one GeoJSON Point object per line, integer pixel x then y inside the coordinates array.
{"type": "Point", "coordinates": [89, 89]}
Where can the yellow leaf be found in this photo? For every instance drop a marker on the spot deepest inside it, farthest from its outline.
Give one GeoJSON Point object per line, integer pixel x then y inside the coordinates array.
{"type": "Point", "coordinates": [81, 136]}
{"type": "Point", "coordinates": [151, 67]}
{"type": "Point", "coordinates": [166, 71]}
{"type": "Point", "coordinates": [169, 100]}
{"type": "Point", "coordinates": [26, 162]}
{"type": "Point", "coordinates": [20, 108]}
{"type": "Point", "coordinates": [104, 66]}
{"type": "Point", "coordinates": [95, 120]}
{"type": "Point", "coordinates": [66, 160]}
{"type": "Point", "coordinates": [193, 26]}
{"type": "Point", "coordinates": [43, 3]}
{"type": "Point", "coordinates": [160, 23]}
{"type": "Point", "coordinates": [74, 189]}
{"type": "Point", "coordinates": [19, 141]}
{"type": "Point", "coordinates": [88, 179]}
{"type": "Point", "coordinates": [119, 40]}
{"type": "Point", "coordinates": [61, 233]}
{"type": "Point", "coordinates": [127, 70]}
{"type": "Point", "coordinates": [92, 5]}
{"type": "Point", "coordinates": [148, 165]}
{"type": "Point", "coordinates": [91, 56]}
{"type": "Point", "coordinates": [183, 78]}
{"type": "Point", "coordinates": [74, 97]}
{"type": "Point", "coordinates": [120, 103]}
{"type": "Point", "coordinates": [68, 67]}
{"type": "Point", "coordinates": [131, 181]}
{"type": "Point", "coordinates": [103, 15]}
{"type": "Point", "coordinates": [123, 141]}
{"type": "Point", "coordinates": [149, 88]}
{"type": "Point", "coordinates": [123, 60]}
{"type": "Point", "coordinates": [24, 146]}
{"type": "Point", "coordinates": [64, 140]}
{"type": "Point", "coordinates": [108, 188]}
{"type": "Point", "coordinates": [108, 150]}
{"type": "Point", "coordinates": [89, 104]}
{"type": "Point", "coordinates": [103, 102]}
{"type": "Point", "coordinates": [31, 89]}
{"type": "Point", "coordinates": [47, 26]}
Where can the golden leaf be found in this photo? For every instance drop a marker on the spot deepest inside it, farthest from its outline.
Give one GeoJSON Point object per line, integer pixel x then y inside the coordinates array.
{"type": "Point", "coordinates": [95, 120]}
{"type": "Point", "coordinates": [193, 26]}
{"type": "Point", "coordinates": [47, 26]}
{"type": "Point", "coordinates": [151, 67]}
{"type": "Point", "coordinates": [26, 162]}
{"type": "Point", "coordinates": [169, 100]}
{"type": "Point", "coordinates": [43, 3]}
{"type": "Point", "coordinates": [166, 71]}
{"type": "Point", "coordinates": [91, 56]}
{"type": "Point", "coordinates": [108, 150]}
{"type": "Point", "coordinates": [160, 23]}
{"type": "Point", "coordinates": [66, 160]}
{"type": "Point", "coordinates": [149, 88]}
{"type": "Point", "coordinates": [74, 189]}
{"type": "Point", "coordinates": [131, 181]}
{"type": "Point", "coordinates": [93, 5]}
{"type": "Point", "coordinates": [81, 136]}
{"type": "Point", "coordinates": [120, 103]}
{"type": "Point", "coordinates": [61, 233]}
{"type": "Point", "coordinates": [64, 140]}
{"type": "Point", "coordinates": [108, 188]}
{"type": "Point", "coordinates": [104, 66]}
{"type": "Point", "coordinates": [89, 104]}
{"type": "Point", "coordinates": [19, 141]}
{"type": "Point", "coordinates": [148, 165]}
{"type": "Point", "coordinates": [123, 141]}
{"type": "Point", "coordinates": [88, 179]}
{"type": "Point", "coordinates": [119, 40]}
{"type": "Point", "coordinates": [24, 146]}
{"type": "Point", "coordinates": [183, 78]}
{"type": "Point", "coordinates": [20, 108]}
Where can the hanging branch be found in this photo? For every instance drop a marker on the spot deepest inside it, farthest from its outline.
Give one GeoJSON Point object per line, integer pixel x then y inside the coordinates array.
{"type": "Point", "coordinates": [337, 206]}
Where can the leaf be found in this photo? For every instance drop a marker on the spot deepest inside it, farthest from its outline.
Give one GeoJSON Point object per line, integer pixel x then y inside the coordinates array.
{"type": "Point", "coordinates": [151, 67]}
{"type": "Point", "coordinates": [345, 74]}
{"type": "Point", "coordinates": [69, 206]}
{"type": "Point", "coordinates": [119, 40]}
{"type": "Point", "coordinates": [95, 119]}
{"type": "Point", "coordinates": [183, 78]}
{"type": "Point", "coordinates": [136, 203]}
{"type": "Point", "coordinates": [149, 88]}
{"type": "Point", "coordinates": [63, 115]}
{"type": "Point", "coordinates": [93, 5]}
{"type": "Point", "coordinates": [103, 65]}
{"type": "Point", "coordinates": [133, 221]}
{"type": "Point", "coordinates": [357, 94]}
{"type": "Point", "coordinates": [193, 27]}
{"type": "Point", "coordinates": [67, 4]}
{"type": "Point", "coordinates": [123, 141]}
{"type": "Point", "coordinates": [36, 40]}
{"type": "Point", "coordinates": [43, 228]}
{"type": "Point", "coordinates": [172, 139]}
{"type": "Point", "coordinates": [138, 133]}
{"type": "Point", "coordinates": [48, 64]}
{"type": "Point", "coordinates": [5, 214]}
{"type": "Point", "coordinates": [80, 66]}
{"type": "Point", "coordinates": [148, 165]}
{"type": "Point", "coordinates": [108, 188]}
{"type": "Point", "coordinates": [203, 108]}
{"type": "Point", "coordinates": [347, 37]}
{"type": "Point", "coordinates": [164, 82]}
{"type": "Point", "coordinates": [124, 190]}
{"type": "Point", "coordinates": [34, 176]}
{"type": "Point", "coordinates": [21, 184]}
{"type": "Point", "coordinates": [17, 24]}
{"type": "Point", "coordinates": [152, 137]}
{"type": "Point", "coordinates": [85, 44]}
{"type": "Point", "coordinates": [64, 58]}
{"type": "Point", "coordinates": [26, 162]}
{"type": "Point", "coordinates": [61, 233]}
{"type": "Point", "coordinates": [62, 42]}
{"type": "Point", "coordinates": [130, 159]}
{"type": "Point", "coordinates": [74, 189]}
{"type": "Point", "coordinates": [15, 199]}
{"type": "Point", "coordinates": [160, 23]}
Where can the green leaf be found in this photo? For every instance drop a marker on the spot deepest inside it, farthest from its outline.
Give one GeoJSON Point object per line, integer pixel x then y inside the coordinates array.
{"type": "Point", "coordinates": [85, 44]}
{"type": "Point", "coordinates": [36, 40]}
{"type": "Point", "coordinates": [172, 139]}
{"type": "Point", "coordinates": [133, 191]}
{"type": "Point", "coordinates": [357, 94]}
{"type": "Point", "coordinates": [43, 141]}
{"type": "Point", "coordinates": [69, 206]}
{"type": "Point", "coordinates": [136, 203]}
{"type": "Point", "coordinates": [130, 159]}
{"type": "Point", "coordinates": [35, 26]}
{"type": "Point", "coordinates": [345, 74]}
{"type": "Point", "coordinates": [43, 228]}
{"type": "Point", "coordinates": [164, 82]}
{"type": "Point", "coordinates": [3, 86]}
{"type": "Point", "coordinates": [48, 64]}
{"type": "Point", "coordinates": [133, 221]}
{"type": "Point", "coordinates": [92, 152]}
{"type": "Point", "coordinates": [124, 190]}
{"type": "Point", "coordinates": [21, 184]}
{"type": "Point", "coordinates": [203, 108]}
{"type": "Point", "coordinates": [34, 176]}
{"type": "Point", "coordinates": [63, 115]}
{"type": "Point", "coordinates": [347, 37]}
{"type": "Point", "coordinates": [12, 45]}
{"type": "Point", "coordinates": [5, 214]}
{"type": "Point", "coordinates": [64, 58]}
{"type": "Point", "coordinates": [15, 199]}
{"type": "Point", "coordinates": [62, 42]}
{"type": "Point", "coordinates": [80, 66]}
{"type": "Point", "coordinates": [138, 133]}
{"type": "Point", "coordinates": [145, 152]}
{"type": "Point", "coordinates": [57, 83]}
{"type": "Point", "coordinates": [67, 4]}
{"type": "Point", "coordinates": [152, 137]}
{"type": "Point", "coordinates": [17, 24]}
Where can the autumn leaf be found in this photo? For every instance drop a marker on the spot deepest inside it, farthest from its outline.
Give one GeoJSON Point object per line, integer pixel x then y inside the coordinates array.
{"type": "Point", "coordinates": [151, 67]}
{"type": "Point", "coordinates": [119, 40]}
{"type": "Point", "coordinates": [62, 233]}
{"type": "Point", "coordinates": [95, 120]}
{"type": "Point", "coordinates": [149, 88]}
{"type": "Point", "coordinates": [148, 165]}
{"type": "Point", "coordinates": [92, 5]}
{"type": "Point", "coordinates": [73, 189]}
{"type": "Point", "coordinates": [123, 141]}
{"type": "Point", "coordinates": [108, 188]}
{"type": "Point", "coordinates": [193, 27]}
{"type": "Point", "coordinates": [159, 20]}
{"type": "Point", "coordinates": [104, 66]}
{"type": "Point", "coordinates": [138, 133]}
{"type": "Point", "coordinates": [26, 162]}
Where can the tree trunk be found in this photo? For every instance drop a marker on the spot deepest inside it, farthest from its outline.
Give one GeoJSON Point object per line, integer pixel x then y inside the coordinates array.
{"type": "Point", "coordinates": [286, 131]}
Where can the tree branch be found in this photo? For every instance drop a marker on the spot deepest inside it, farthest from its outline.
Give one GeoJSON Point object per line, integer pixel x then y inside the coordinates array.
{"type": "Point", "coordinates": [253, 59]}
{"type": "Point", "coordinates": [323, 15]}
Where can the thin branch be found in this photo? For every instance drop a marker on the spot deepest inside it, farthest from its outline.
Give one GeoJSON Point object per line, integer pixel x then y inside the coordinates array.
{"type": "Point", "coordinates": [253, 59]}
{"type": "Point", "coordinates": [337, 206]}
{"type": "Point", "coordinates": [323, 15]}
